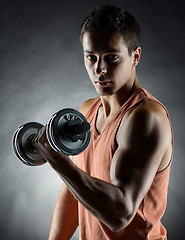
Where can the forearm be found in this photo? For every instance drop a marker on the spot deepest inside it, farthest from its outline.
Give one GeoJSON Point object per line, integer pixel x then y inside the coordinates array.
{"type": "Point", "coordinates": [65, 216]}
{"type": "Point", "coordinates": [104, 200]}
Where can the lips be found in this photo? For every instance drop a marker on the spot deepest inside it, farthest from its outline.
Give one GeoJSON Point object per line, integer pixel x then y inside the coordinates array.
{"type": "Point", "coordinates": [103, 83]}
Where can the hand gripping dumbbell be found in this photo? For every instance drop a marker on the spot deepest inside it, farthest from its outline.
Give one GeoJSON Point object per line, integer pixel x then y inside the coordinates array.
{"type": "Point", "coordinates": [68, 132]}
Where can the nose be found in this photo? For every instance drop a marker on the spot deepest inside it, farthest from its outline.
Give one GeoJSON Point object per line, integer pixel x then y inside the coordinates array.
{"type": "Point", "coordinates": [101, 67]}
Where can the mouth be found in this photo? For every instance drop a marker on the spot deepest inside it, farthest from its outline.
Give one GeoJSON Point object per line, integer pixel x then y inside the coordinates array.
{"type": "Point", "coordinates": [103, 82]}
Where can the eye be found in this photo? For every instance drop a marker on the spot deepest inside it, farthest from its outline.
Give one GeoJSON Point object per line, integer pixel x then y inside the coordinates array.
{"type": "Point", "coordinates": [112, 57]}
{"type": "Point", "coordinates": [91, 57]}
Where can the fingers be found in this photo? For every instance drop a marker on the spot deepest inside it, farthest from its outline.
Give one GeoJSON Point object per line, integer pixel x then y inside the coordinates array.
{"type": "Point", "coordinates": [40, 140]}
{"type": "Point", "coordinates": [43, 147]}
{"type": "Point", "coordinates": [40, 137]}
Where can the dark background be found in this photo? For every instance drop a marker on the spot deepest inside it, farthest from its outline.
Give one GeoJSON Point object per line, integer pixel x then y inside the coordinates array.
{"type": "Point", "coordinates": [42, 71]}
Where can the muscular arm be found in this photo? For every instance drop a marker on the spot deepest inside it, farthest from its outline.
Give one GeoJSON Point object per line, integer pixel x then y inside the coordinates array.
{"type": "Point", "coordinates": [142, 140]}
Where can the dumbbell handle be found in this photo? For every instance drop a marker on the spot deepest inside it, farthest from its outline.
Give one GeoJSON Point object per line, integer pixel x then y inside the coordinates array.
{"type": "Point", "coordinates": [77, 131]}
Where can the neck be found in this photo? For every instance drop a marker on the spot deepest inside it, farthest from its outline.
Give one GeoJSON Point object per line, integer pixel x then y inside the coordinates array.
{"type": "Point", "coordinates": [111, 103]}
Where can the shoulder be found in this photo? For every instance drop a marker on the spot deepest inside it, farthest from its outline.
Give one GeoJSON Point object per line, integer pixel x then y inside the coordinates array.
{"type": "Point", "coordinates": [86, 105]}
{"type": "Point", "coordinates": [147, 111]}
{"type": "Point", "coordinates": [146, 120]}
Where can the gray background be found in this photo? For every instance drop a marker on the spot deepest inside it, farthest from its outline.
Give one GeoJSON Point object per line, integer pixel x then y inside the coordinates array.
{"type": "Point", "coordinates": [41, 72]}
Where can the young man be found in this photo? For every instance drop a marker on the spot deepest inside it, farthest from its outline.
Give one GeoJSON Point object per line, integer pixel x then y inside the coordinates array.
{"type": "Point", "coordinates": [116, 188]}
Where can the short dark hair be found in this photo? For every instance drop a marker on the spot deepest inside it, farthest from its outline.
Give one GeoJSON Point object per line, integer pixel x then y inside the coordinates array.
{"type": "Point", "coordinates": [109, 18]}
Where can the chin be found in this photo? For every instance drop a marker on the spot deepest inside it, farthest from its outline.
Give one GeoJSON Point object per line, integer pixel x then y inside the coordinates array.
{"type": "Point", "coordinates": [105, 93]}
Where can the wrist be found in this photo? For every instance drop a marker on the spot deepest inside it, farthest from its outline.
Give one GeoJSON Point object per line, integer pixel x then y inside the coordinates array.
{"type": "Point", "coordinates": [62, 164]}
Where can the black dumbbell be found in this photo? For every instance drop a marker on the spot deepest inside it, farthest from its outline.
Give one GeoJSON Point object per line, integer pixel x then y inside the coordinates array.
{"type": "Point", "coordinates": [68, 132]}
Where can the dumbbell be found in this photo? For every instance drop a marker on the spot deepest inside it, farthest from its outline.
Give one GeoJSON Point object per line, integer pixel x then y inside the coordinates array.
{"type": "Point", "coordinates": [68, 132]}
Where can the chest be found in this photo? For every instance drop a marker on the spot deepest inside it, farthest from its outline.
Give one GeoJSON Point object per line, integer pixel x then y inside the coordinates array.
{"type": "Point", "coordinates": [101, 122]}
{"type": "Point", "coordinates": [100, 125]}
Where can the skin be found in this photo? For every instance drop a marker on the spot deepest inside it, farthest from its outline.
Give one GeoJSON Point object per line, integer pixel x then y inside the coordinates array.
{"type": "Point", "coordinates": [143, 139]}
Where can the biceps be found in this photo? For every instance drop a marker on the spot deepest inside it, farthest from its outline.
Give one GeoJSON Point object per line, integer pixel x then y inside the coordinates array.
{"type": "Point", "coordinates": [133, 173]}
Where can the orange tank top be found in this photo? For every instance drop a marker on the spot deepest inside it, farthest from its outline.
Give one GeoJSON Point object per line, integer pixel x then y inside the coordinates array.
{"type": "Point", "coordinates": [96, 162]}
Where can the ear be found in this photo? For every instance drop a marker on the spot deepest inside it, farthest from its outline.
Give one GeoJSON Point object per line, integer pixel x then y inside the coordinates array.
{"type": "Point", "coordinates": [136, 56]}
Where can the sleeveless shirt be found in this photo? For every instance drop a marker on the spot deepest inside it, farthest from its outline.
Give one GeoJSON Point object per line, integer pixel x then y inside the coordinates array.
{"type": "Point", "coordinates": [96, 162]}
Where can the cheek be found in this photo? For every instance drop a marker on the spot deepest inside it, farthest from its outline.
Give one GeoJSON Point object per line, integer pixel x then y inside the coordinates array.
{"type": "Point", "coordinates": [122, 73]}
{"type": "Point", "coordinates": [119, 70]}
{"type": "Point", "coordinates": [89, 69]}
{"type": "Point", "coordinates": [126, 68]}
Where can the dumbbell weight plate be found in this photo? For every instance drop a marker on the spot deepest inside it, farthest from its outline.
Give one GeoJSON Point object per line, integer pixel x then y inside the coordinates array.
{"type": "Point", "coordinates": [22, 146]}
{"type": "Point", "coordinates": [58, 140]}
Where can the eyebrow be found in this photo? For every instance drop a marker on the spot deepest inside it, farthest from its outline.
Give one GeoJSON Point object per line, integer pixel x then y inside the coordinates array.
{"type": "Point", "coordinates": [108, 51]}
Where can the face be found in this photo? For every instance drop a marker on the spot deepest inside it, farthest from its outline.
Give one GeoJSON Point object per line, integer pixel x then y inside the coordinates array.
{"type": "Point", "coordinates": [107, 62]}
